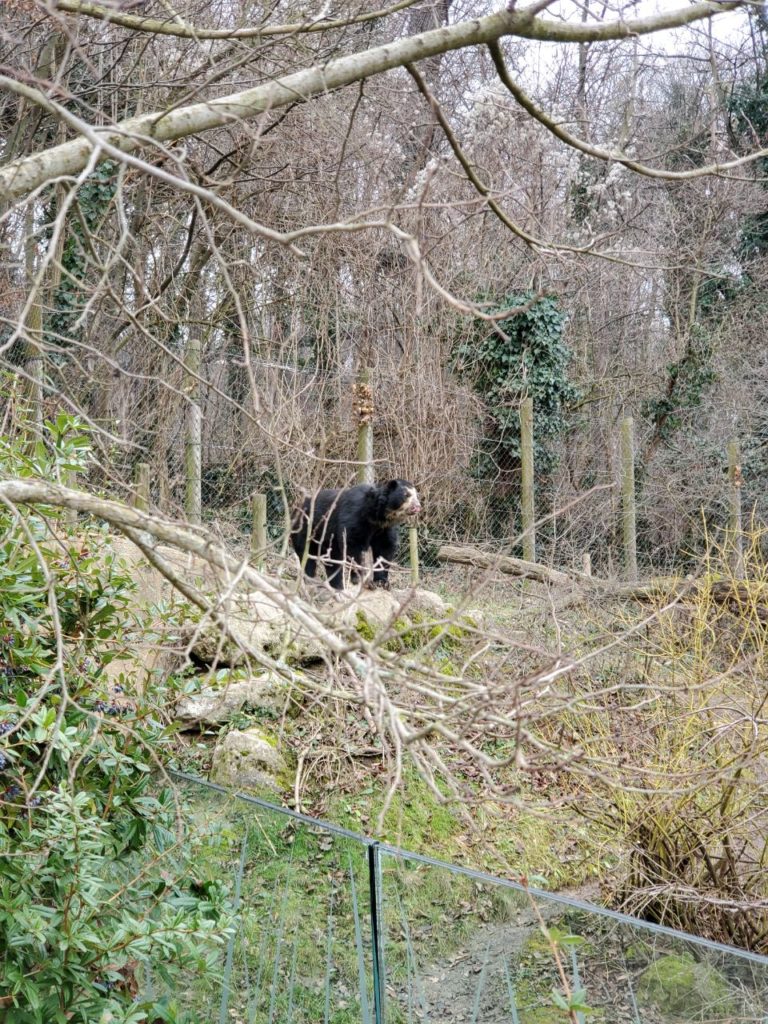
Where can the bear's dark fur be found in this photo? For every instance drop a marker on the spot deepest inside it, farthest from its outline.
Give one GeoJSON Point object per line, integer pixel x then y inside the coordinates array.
{"type": "Point", "coordinates": [337, 527]}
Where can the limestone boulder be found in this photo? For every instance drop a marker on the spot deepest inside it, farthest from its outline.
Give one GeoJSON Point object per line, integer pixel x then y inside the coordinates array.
{"type": "Point", "coordinates": [216, 705]}
{"type": "Point", "coordinates": [152, 587]}
{"type": "Point", "coordinates": [378, 606]}
{"type": "Point", "coordinates": [428, 604]}
{"type": "Point", "coordinates": [255, 624]}
{"type": "Point", "coordinates": [684, 988]}
{"type": "Point", "coordinates": [247, 759]}
{"type": "Point", "coordinates": [425, 602]}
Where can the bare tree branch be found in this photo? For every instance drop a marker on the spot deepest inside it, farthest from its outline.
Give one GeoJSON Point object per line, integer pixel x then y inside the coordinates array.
{"type": "Point", "coordinates": [610, 155]}
{"type": "Point", "coordinates": [186, 31]}
{"type": "Point", "coordinates": [28, 173]}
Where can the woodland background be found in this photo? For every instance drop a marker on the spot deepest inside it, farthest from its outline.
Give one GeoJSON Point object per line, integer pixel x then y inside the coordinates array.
{"type": "Point", "coordinates": [221, 216]}
{"type": "Point", "coordinates": [642, 295]}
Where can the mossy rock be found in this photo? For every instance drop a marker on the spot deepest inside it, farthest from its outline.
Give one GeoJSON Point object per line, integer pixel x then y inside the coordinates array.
{"type": "Point", "coordinates": [248, 760]}
{"type": "Point", "coordinates": [681, 987]}
{"type": "Point", "coordinates": [410, 633]}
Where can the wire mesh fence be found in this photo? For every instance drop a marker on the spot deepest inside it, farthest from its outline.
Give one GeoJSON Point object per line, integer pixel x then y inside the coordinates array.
{"type": "Point", "coordinates": [430, 432]}
{"type": "Point", "coordinates": [284, 430]}
{"type": "Point", "coordinates": [330, 926]}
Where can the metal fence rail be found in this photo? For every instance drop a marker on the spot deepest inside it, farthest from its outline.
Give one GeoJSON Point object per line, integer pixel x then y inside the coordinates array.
{"type": "Point", "coordinates": [332, 926]}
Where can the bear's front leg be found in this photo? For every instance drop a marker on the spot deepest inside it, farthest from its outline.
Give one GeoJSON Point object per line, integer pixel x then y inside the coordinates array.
{"type": "Point", "coordinates": [384, 544]}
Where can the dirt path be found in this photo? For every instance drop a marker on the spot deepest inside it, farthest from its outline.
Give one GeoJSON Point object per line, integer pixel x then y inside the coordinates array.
{"type": "Point", "coordinates": [478, 982]}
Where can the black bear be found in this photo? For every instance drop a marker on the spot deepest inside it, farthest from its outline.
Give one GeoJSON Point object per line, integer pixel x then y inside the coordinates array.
{"type": "Point", "coordinates": [337, 527]}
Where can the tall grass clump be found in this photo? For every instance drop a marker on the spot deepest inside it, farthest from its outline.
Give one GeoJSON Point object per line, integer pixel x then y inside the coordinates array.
{"type": "Point", "coordinates": [675, 757]}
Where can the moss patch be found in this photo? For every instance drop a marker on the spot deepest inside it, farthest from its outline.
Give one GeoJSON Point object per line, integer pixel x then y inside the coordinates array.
{"type": "Point", "coordinates": [680, 986]}
{"type": "Point", "coordinates": [363, 627]}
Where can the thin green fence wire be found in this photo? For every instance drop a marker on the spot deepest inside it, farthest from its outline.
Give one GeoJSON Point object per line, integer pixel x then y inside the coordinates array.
{"type": "Point", "coordinates": [279, 939]}
{"type": "Point", "coordinates": [225, 988]}
{"type": "Point", "coordinates": [263, 958]}
{"type": "Point", "coordinates": [632, 998]}
{"type": "Point", "coordinates": [576, 981]}
{"type": "Point", "coordinates": [480, 986]}
{"type": "Point", "coordinates": [292, 976]}
{"type": "Point", "coordinates": [329, 957]}
{"type": "Point", "coordinates": [514, 1016]}
{"type": "Point", "coordinates": [412, 968]}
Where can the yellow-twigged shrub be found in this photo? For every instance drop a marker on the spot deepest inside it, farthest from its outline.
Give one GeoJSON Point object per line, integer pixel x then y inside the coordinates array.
{"type": "Point", "coordinates": [675, 757]}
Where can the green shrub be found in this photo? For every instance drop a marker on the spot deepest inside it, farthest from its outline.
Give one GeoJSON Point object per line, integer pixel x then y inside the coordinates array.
{"type": "Point", "coordinates": [84, 910]}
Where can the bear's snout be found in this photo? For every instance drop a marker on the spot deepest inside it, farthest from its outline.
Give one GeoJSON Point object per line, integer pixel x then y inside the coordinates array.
{"type": "Point", "coordinates": [411, 506]}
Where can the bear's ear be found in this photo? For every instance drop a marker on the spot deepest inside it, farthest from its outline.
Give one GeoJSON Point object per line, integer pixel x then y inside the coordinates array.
{"type": "Point", "coordinates": [392, 485]}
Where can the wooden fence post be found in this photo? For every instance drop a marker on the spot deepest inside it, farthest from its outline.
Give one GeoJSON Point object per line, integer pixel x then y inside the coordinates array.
{"type": "Point", "coordinates": [70, 514]}
{"type": "Point", "coordinates": [193, 503]}
{"type": "Point", "coordinates": [141, 486]}
{"type": "Point", "coordinates": [628, 512]}
{"type": "Point", "coordinates": [363, 408]}
{"type": "Point", "coordinates": [735, 529]}
{"type": "Point", "coordinates": [528, 506]}
{"type": "Point", "coordinates": [259, 533]}
{"type": "Point", "coordinates": [413, 547]}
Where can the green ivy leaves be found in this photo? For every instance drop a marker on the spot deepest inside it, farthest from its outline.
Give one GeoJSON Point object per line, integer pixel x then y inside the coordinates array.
{"type": "Point", "coordinates": [526, 357]}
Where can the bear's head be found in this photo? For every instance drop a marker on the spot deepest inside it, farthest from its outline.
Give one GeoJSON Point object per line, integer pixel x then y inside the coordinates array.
{"type": "Point", "coordinates": [401, 501]}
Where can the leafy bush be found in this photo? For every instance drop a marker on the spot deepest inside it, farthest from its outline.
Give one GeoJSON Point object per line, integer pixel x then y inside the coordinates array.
{"type": "Point", "coordinates": [84, 911]}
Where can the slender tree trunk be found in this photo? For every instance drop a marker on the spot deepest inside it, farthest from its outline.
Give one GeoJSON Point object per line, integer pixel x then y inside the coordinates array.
{"type": "Point", "coordinates": [628, 513]}
{"type": "Point", "coordinates": [735, 530]}
{"type": "Point", "coordinates": [34, 334]}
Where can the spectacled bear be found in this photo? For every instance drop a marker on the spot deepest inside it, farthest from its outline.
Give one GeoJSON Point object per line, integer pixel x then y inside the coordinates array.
{"type": "Point", "coordinates": [337, 527]}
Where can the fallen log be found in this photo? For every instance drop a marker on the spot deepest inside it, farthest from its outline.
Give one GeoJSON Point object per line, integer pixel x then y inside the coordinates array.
{"type": "Point", "coordinates": [511, 566]}
{"type": "Point", "coordinates": [741, 597]}
{"type": "Point", "coordinates": [580, 584]}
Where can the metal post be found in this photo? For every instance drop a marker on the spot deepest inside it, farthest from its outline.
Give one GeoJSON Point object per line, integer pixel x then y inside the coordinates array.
{"type": "Point", "coordinates": [377, 930]}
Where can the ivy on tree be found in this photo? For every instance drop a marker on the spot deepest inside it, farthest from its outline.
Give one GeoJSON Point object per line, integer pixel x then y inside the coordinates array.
{"type": "Point", "coordinates": [524, 357]}
{"type": "Point", "coordinates": [94, 198]}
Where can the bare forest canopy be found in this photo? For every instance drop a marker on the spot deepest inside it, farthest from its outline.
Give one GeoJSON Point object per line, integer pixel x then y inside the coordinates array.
{"type": "Point", "coordinates": [236, 208]}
